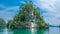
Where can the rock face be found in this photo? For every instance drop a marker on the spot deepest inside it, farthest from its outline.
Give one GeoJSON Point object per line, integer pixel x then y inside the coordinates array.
{"type": "Point", "coordinates": [28, 15]}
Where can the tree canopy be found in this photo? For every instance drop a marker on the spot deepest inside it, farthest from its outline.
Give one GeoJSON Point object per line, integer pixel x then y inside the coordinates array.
{"type": "Point", "coordinates": [23, 18]}
{"type": "Point", "coordinates": [2, 23]}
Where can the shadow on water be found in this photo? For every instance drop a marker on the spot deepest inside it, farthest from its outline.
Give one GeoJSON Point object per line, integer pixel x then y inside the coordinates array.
{"type": "Point", "coordinates": [27, 31]}
{"type": "Point", "coordinates": [30, 31]}
{"type": "Point", "coordinates": [22, 31]}
{"type": "Point", "coordinates": [40, 31]}
{"type": "Point", "coordinates": [51, 30]}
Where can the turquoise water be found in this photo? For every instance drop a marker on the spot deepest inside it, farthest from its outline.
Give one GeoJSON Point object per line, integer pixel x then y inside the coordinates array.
{"type": "Point", "coordinates": [51, 30]}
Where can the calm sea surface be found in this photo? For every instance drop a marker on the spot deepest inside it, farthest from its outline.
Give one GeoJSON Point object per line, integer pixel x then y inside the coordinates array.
{"type": "Point", "coordinates": [51, 30]}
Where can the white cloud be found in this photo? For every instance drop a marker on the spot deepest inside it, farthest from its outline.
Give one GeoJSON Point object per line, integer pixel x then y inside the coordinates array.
{"type": "Point", "coordinates": [11, 8]}
{"type": "Point", "coordinates": [9, 12]}
{"type": "Point", "coordinates": [2, 6]}
{"type": "Point", "coordinates": [22, 2]}
{"type": "Point", "coordinates": [52, 7]}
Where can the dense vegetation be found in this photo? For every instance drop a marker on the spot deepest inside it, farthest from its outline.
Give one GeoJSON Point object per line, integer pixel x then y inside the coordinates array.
{"type": "Point", "coordinates": [23, 18]}
{"type": "Point", "coordinates": [2, 23]}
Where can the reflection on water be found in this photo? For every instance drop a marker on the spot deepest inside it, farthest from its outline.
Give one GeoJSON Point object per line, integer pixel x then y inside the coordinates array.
{"type": "Point", "coordinates": [51, 30]}
{"type": "Point", "coordinates": [33, 31]}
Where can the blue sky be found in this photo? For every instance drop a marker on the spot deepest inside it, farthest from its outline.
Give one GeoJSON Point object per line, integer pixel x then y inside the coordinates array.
{"type": "Point", "coordinates": [50, 9]}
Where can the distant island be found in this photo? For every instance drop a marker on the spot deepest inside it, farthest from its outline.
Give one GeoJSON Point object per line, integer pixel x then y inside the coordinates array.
{"type": "Point", "coordinates": [2, 23]}
{"type": "Point", "coordinates": [54, 26]}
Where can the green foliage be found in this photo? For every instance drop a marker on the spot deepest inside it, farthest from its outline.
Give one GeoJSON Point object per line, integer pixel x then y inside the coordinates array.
{"type": "Point", "coordinates": [2, 23]}
{"type": "Point", "coordinates": [9, 23]}
{"type": "Point", "coordinates": [23, 17]}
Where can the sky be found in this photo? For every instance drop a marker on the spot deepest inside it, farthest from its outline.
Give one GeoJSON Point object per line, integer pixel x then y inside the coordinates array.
{"type": "Point", "coordinates": [50, 9]}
